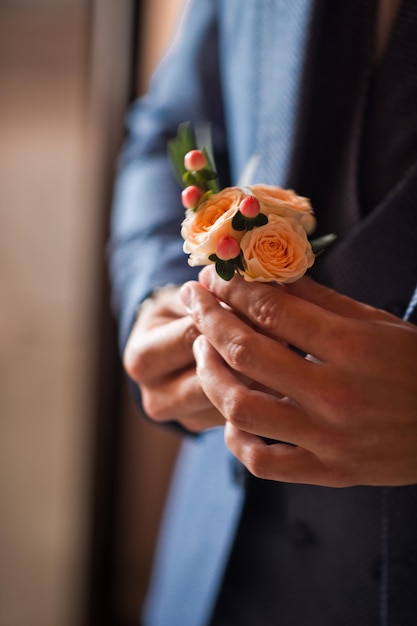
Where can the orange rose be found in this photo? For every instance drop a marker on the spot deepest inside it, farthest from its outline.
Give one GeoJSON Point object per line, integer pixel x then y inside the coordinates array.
{"type": "Point", "coordinates": [203, 228]}
{"type": "Point", "coordinates": [284, 202]}
{"type": "Point", "coordinates": [278, 251]}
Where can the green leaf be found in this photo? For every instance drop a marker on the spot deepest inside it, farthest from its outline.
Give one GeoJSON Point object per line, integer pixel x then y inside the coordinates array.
{"type": "Point", "coordinates": [203, 138]}
{"type": "Point", "coordinates": [203, 179]}
{"type": "Point", "coordinates": [178, 148]}
{"type": "Point", "coordinates": [203, 199]}
{"type": "Point", "coordinates": [212, 179]}
{"type": "Point", "coordinates": [238, 261]}
{"type": "Point", "coordinates": [207, 174]}
{"type": "Point", "coordinates": [261, 219]}
{"type": "Point", "coordinates": [189, 178]}
{"type": "Point", "coordinates": [185, 137]}
{"type": "Point", "coordinates": [225, 269]}
{"type": "Point", "coordinates": [239, 221]}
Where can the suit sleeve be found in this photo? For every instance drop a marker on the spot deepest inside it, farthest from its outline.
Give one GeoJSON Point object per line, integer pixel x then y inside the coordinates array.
{"type": "Point", "coordinates": [145, 245]}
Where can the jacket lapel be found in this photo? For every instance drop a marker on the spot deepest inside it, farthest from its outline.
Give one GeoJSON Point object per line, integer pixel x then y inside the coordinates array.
{"type": "Point", "coordinates": [379, 252]}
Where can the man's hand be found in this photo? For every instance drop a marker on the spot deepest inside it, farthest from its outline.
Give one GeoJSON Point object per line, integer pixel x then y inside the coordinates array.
{"type": "Point", "coordinates": [159, 357]}
{"type": "Point", "coordinates": [349, 409]}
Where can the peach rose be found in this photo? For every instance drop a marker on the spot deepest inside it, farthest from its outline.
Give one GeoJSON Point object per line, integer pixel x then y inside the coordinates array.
{"type": "Point", "coordinates": [278, 251]}
{"type": "Point", "coordinates": [284, 202]}
{"type": "Point", "coordinates": [202, 229]}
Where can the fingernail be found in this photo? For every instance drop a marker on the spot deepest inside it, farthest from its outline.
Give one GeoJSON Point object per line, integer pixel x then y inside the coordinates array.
{"type": "Point", "coordinates": [186, 293]}
{"type": "Point", "coordinates": [198, 345]}
{"type": "Point", "coordinates": [199, 349]}
{"type": "Point", "coordinates": [206, 277]}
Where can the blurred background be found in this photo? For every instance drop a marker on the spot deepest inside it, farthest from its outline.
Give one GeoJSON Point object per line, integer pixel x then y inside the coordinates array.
{"type": "Point", "coordinates": [82, 476]}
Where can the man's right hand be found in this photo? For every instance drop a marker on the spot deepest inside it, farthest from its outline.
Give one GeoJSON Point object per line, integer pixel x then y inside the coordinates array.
{"type": "Point", "coordinates": [159, 358]}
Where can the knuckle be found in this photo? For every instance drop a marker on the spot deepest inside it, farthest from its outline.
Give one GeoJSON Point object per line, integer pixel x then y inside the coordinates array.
{"type": "Point", "coordinates": [190, 334]}
{"type": "Point", "coordinates": [238, 412]}
{"type": "Point", "coordinates": [252, 456]}
{"type": "Point", "coordinates": [200, 314]}
{"type": "Point", "coordinates": [239, 351]}
{"type": "Point", "coordinates": [265, 310]}
{"type": "Point", "coordinates": [155, 407]}
{"type": "Point", "coordinates": [138, 360]}
{"type": "Point", "coordinates": [133, 362]}
{"type": "Point", "coordinates": [256, 462]}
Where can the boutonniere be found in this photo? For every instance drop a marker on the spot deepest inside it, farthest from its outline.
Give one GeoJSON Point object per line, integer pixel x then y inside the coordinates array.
{"type": "Point", "coordinates": [259, 231]}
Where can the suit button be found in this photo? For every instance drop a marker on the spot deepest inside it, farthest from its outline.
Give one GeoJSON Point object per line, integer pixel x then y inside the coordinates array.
{"type": "Point", "coordinates": [301, 534]}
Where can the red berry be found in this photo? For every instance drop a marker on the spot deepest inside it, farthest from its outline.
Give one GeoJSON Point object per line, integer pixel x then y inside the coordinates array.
{"type": "Point", "coordinates": [250, 207]}
{"type": "Point", "coordinates": [191, 196]}
{"type": "Point", "coordinates": [227, 248]}
{"type": "Point", "coordinates": [195, 160]}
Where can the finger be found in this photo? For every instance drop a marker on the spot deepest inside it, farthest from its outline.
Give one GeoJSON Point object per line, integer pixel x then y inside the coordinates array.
{"type": "Point", "coordinates": [311, 291]}
{"type": "Point", "coordinates": [249, 409]}
{"type": "Point", "coordinates": [196, 421]}
{"type": "Point", "coordinates": [154, 354]}
{"type": "Point", "coordinates": [250, 352]}
{"type": "Point", "coordinates": [202, 420]}
{"type": "Point", "coordinates": [280, 462]}
{"type": "Point", "coordinates": [163, 303]}
{"type": "Point", "coordinates": [300, 323]}
{"type": "Point", "coordinates": [191, 407]}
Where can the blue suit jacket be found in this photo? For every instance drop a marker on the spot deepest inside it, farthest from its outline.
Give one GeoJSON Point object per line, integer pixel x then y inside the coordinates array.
{"type": "Point", "coordinates": [238, 64]}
